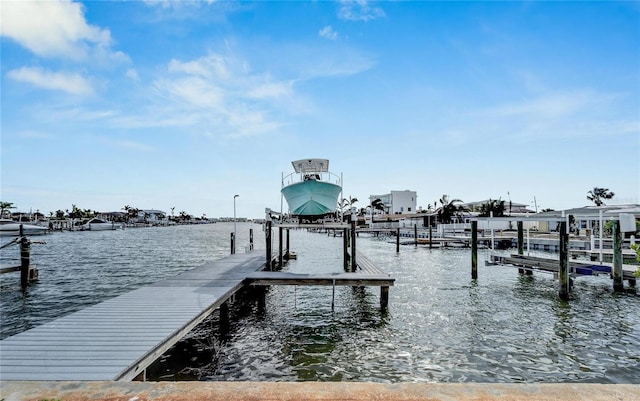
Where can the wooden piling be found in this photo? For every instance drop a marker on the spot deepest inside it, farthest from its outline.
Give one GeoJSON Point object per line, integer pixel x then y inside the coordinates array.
{"type": "Point", "coordinates": [251, 239]}
{"type": "Point", "coordinates": [415, 234]}
{"type": "Point", "coordinates": [267, 236]}
{"type": "Point", "coordinates": [288, 247]}
{"type": "Point", "coordinates": [354, 263]}
{"type": "Point", "coordinates": [25, 255]}
{"type": "Point", "coordinates": [224, 317]}
{"type": "Point", "coordinates": [563, 270]}
{"type": "Point", "coordinates": [345, 249]}
{"type": "Point", "coordinates": [618, 285]}
{"type": "Point", "coordinates": [430, 243]}
{"type": "Point", "coordinates": [233, 243]}
{"type": "Point", "coordinates": [280, 245]}
{"type": "Point", "coordinates": [384, 297]}
{"type": "Point", "coordinates": [474, 250]}
{"type": "Point", "coordinates": [397, 239]}
{"type": "Point", "coordinates": [520, 243]}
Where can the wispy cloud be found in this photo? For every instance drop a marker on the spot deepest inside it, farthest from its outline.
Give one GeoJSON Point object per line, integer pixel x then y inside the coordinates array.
{"type": "Point", "coordinates": [359, 10]}
{"type": "Point", "coordinates": [328, 33]}
{"type": "Point", "coordinates": [56, 29]}
{"type": "Point", "coordinates": [70, 83]}
{"type": "Point", "coordinates": [126, 144]}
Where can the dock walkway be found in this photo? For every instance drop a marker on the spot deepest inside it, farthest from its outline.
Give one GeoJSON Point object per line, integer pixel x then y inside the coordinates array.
{"type": "Point", "coordinates": [117, 339]}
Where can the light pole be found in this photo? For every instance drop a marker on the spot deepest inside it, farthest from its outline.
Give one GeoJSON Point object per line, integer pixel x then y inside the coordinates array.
{"type": "Point", "coordinates": [235, 237]}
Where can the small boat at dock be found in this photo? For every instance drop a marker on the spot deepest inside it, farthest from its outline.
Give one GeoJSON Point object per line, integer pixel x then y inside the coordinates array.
{"type": "Point", "coordinates": [98, 224]}
{"type": "Point", "coordinates": [311, 191]}
{"type": "Point", "coordinates": [11, 228]}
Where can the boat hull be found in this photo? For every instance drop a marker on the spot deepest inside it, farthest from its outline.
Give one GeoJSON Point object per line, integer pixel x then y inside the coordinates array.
{"type": "Point", "coordinates": [311, 198]}
{"type": "Point", "coordinates": [13, 230]}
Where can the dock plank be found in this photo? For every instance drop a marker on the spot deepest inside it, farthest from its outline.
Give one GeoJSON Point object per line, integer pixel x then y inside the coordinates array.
{"type": "Point", "coordinates": [118, 338]}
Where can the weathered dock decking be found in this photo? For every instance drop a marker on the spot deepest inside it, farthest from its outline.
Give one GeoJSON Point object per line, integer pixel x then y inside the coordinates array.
{"type": "Point", "coordinates": [117, 339]}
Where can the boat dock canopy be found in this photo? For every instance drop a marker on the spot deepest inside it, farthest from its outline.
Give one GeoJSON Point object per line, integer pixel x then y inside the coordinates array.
{"type": "Point", "coordinates": [311, 165]}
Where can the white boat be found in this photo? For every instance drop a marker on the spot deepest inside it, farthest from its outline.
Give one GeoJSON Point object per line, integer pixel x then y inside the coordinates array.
{"type": "Point", "coordinates": [98, 224]}
{"type": "Point", "coordinates": [311, 190]}
{"type": "Point", "coordinates": [10, 228]}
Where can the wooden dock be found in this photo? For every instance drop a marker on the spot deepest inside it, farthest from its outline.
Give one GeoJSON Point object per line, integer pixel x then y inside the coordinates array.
{"type": "Point", "coordinates": [117, 339]}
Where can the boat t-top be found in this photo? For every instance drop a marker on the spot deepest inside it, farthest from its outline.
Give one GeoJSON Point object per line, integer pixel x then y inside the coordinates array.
{"type": "Point", "coordinates": [311, 190]}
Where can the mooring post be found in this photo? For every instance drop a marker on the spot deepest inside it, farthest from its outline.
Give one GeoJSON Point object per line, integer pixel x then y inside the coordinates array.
{"type": "Point", "coordinates": [415, 234]}
{"type": "Point", "coordinates": [474, 250]}
{"type": "Point", "coordinates": [618, 285]}
{"type": "Point", "coordinates": [354, 263]}
{"type": "Point", "coordinates": [384, 297]}
{"type": "Point", "coordinates": [563, 270]}
{"type": "Point", "coordinates": [520, 243]}
{"type": "Point", "coordinates": [397, 239]}
{"type": "Point", "coordinates": [430, 243]}
{"type": "Point", "coordinates": [233, 243]}
{"type": "Point", "coordinates": [280, 244]}
{"type": "Point", "coordinates": [288, 244]}
{"type": "Point", "coordinates": [224, 317]}
{"type": "Point", "coordinates": [267, 236]}
{"type": "Point", "coordinates": [251, 239]}
{"type": "Point", "coordinates": [25, 252]}
{"type": "Point", "coordinates": [345, 248]}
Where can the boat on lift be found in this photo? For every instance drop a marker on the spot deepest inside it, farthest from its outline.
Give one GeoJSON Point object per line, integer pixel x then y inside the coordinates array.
{"type": "Point", "coordinates": [311, 191]}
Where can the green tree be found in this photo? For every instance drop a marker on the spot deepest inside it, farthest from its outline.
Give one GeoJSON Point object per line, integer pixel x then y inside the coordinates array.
{"type": "Point", "coordinates": [5, 206]}
{"type": "Point", "coordinates": [346, 204]}
{"type": "Point", "coordinates": [448, 209]}
{"type": "Point", "coordinates": [598, 195]}
{"type": "Point", "coordinates": [495, 206]}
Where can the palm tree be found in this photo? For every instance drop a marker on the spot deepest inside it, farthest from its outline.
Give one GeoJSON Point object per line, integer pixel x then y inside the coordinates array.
{"type": "Point", "coordinates": [449, 209]}
{"type": "Point", "coordinates": [346, 204]}
{"type": "Point", "coordinates": [495, 206]}
{"type": "Point", "coordinates": [5, 206]}
{"type": "Point", "coordinates": [596, 195]}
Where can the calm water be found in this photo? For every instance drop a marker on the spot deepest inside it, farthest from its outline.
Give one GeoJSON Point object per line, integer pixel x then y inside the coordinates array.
{"type": "Point", "coordinates": [440, 327]}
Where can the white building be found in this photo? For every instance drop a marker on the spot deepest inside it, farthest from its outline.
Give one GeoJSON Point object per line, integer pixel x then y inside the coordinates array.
{"type": "Point", "coordinates": [397, 202]}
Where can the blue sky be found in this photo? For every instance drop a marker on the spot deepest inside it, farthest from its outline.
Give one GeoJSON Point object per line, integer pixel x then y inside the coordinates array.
{"type": "Point", "coordinates": [162, 104]}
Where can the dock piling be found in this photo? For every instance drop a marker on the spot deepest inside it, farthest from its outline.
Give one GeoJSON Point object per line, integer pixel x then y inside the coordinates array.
{"type": "Point", "coordinates": [280, 245]}
{"type": "Point", "coordinates": [415, 234]}
{"type": "Point", "coordinates": [563, 271]}
{"type": "Point", "coordinates": [397, 239]}
{"type": "Point", "coordinates": [267, 236]}
{"type": "Point", "coordinates": [430, 232]}
{"type": "Point", "coordinates": [384, 297]}
{"type": "Point", "coordinates": [233, 243]}
{"type": "Point", "coordinates": [345, 249]}
{"type": "Point", "coordinates": [251, 239]}
{"type": "Point", "coordinates": [354, 263]}
{"type": "Point", "coordinates": [25, 263]}
{"type": "Point", "coordinates": [618, 285]}
{"type": "Point", "coordinates": [474, 250]}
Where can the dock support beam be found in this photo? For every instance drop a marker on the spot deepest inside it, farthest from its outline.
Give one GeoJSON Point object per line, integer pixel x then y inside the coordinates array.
{"type": "Point", "coordinates": [415, 234]}
{"type": "Point", "coordinates": [474, 250]}
{"type": "Point", "coordinates": [224, 317]}
{"type": "Point", "coordinates": [618, 285]}
{"type": "Point", "coordinates": [398, 240]}
{"type": "Point", "coordinates": [251, 239]}
{"type": "Point", "coordinates": [563, 271]}
{"type": "Point", "coordinates": [288, 247]}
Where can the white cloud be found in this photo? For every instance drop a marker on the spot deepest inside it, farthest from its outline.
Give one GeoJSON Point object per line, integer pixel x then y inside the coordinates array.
{"type": "Point", "coordinates": [70, 83]}
{"type": "Point", "coordinates": [132, 74]}
{"type": "Point", "coordinates": [55, 29]}
{"type": "Point", "coordinates": [328, 33]}
{"type": "Point", "coordinates": [359, 10]}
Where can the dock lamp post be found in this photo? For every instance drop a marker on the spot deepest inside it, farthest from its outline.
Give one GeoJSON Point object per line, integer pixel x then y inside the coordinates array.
{"type": "Point", "coordinates": [235, 235]}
